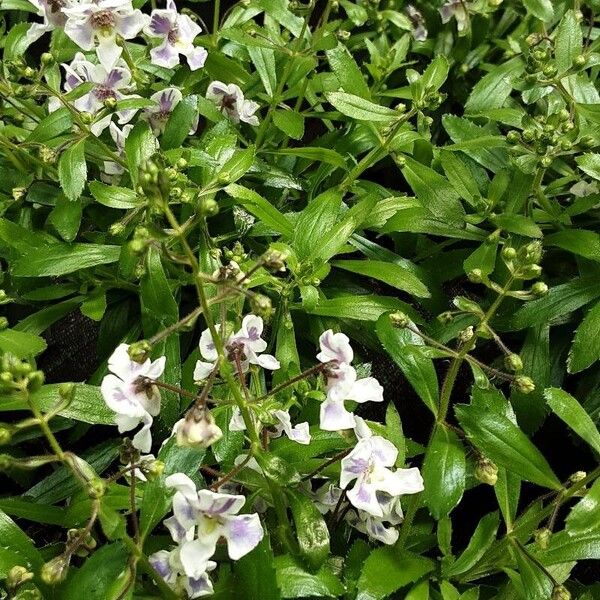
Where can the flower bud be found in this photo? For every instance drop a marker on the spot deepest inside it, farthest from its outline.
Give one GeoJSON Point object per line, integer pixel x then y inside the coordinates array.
{"type": "Point", "coordinates": [35, 380]}
{"type": "Point", "coordinates": [67, 392]}
{"type": "Point", "coordinates": [513, 362]}
{"type": "Point", "coordinates": [399, 320]}
{"type": "Point", "coordinates": [5, 434]}
{"type": "Point", "coordinates": [86, 117]}
{"type": "Point", "coordinates": [198, 428]}
{"type": "Point", "coordinates": [513, 137]}
{"type": "Point", "coordinates": [139, 351]}
{"type": "Point", "coordinates": [577, 477]}
{"type": "Point", "coordinates": [524, 384]}
{"type": "Point", "coordinates": [539, 288]}
{"type": "Point", "coordinates": [560, 592]}
{"type": "Point", "coordinates": [579, 61]}
{"type": "Point", "coordinates": [4, 298]}
{"type": "Point", "coordinates": [3, 323]}
{"type": "Point", "coordinates": [445, 317]}
{"type": "Point", "coordinates": [110, 103]}
{"type": "Point", "coordinates": [274, 260]}
{"type": "Point", "coordinates": [546, 161]}
{"type": "Point", "coordinates": [96, 488]}
{"type": "Point", "coordinates": [47, 59]}
{"type": "Point", "coordinates": [261, 306]}
{"type": "Point", "coordinates": [542, 537]}
{"type": "Point", "coordinates": [152, 469]}
{"type": "Point", "coordinates": [528, 135]}
{"type": "Point", "coordinates": [530, 271]}
{"type": "Point", "coordinates": [6, 462]}
{"type": "Point", "coordinates": [208, 207]}
{"type": "Point", "coordinates": [55, 570]}
{"type": "Point", "coordinates": [18, 193]}
{"type": "Point", "coordinates": [486, 471]}
{"type": "Point", "coordinates": [509, 253]}
{"type": "Point", "coordinates": [550, 71]}
{"type": "Point", "coordinates": [466, 334]}
{"type": "Point", "coordinates": [587, 141]}
{"type": "Point", "coordinates": [400, 160]}
{"type": "Point", "coordinates": [475, 276]}
{"type": "Point", "coordinates": [17, 576]}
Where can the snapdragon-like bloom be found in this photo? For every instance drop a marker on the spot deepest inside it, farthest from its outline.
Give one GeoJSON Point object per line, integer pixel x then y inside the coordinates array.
{"type": "Point", "coordinates": [119, 136]}
{"type": "Point", "coordinates": [168, 565]}
{"type": "Point", "coordinates": [299, 433]}
{"type": "Point", "coordinates": [231, 102]}
{"type": "Point", "coordinates": [247, 344]}
{"type": "Point", "coordinates": [52, 12]}
{"type": "Point", "coordinates": [165, 102]}
{"type": "Point", "coordinates": [342, 382]}
{"type": "Point", "coordinates": [381, 528]}
{"type": "Point", "coordinates": [113, 83]}
{"type": "Point", "coordinates": [103, 20]}
{"type": "Point", "coordinates": [178, 33]}
{"type": "Point", "coordinates": [418, 22]}
{"type": "Point", "coordinates": [197, 428]}
{"type": "Point", "coordinates": [456, 9]}
{"type": "Point", "coordinates": [201, 517]}
{"type": "Point", "coordinates": [128, 390]}
{"type": "Point", "coordinates": [369, 464]}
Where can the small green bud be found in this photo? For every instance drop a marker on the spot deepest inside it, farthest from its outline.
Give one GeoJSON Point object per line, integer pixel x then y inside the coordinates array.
{"type": "Point", "coordinates": [513, 362]}
{"type": "Point", "coordinates": [399, 320]}
{"type": "Point", "coordinates": [542, 537]}
{"type": "Point", "coordinates": [400, 107]}
{"type": "Point", "coordinates": [66, 391]}
{"type": "Point", "coordinates": [560, 592]}
{"type": "Point", "coordinates": [530, 271]}
{"type": "Point", "coordinates": [96, 488]}
{"type": "Point", "coordinates": [524, 384]}
{"type": "Point", "coordinates": [262, 306]}
{"type": "Point", "coordinates": [587, 141]}
{"type": "Point", "coordinates": [55, 570]}
{"type": "Point", "coordinates": [175, 192]}
{"type": "Point", "coordinates": [486, 471]}
{"type": "Point", "coordinates": [531, 253]}
{"type": "Point", "coordinates": [153, 469]}
{"type": "Point", "coordinates": [550, 71]}
{"type": "Point", "coordinates": [182, 163]}
{"type": "Point", "coordinates": [577, 477]}
{"type": "Point", "coordinates": [343, 34]}
{"type": "Point", "coordinates": [532, 39]}
{"type": "Point", "coordinates": [445, 317]}
{"type": "Point", "coordinates": [274, 260]}
{"type": "Point", "coordinates": [18, 193]}
{"type": "Point", "coordinates": [566, 145]}
{"type": "Point", "coordinates": [86, 117]}
{"type": "Point", "coordinates": [17, 576]}
{"type": "Point", "coordinates": [400, 160]}
{"type": "Point", "coordinates": [3, 323]}
{"type": "Point", "coordinates": [29, 73]}
{"type": "Point", "coordinates": [137, 246]}
{"type": "Point", "coordinates": [6, 462]}
{"type": "Point", "coordinates": [110, 103]}
{"type": "Point", "coordinates": [539, 288]}
{"type": "Point", "coordinates": [47, 59]}
{"type": "Point", "coordinates": [475, 276]}
{"type": "Point", "coordinates": [564, 115]}
{"type": "Point", "coordinates": [513, 137]}
{"type": "Point", "coordinates": [209, 207]}
{"type": "Point", "coordinates": [546, 161]}
{"type": "Point", "coordinates": [116, 228]}
{"type": "Point", "coordinates": [509, 253]}
{"type": "Point", "coordinates": [35, 381]}
{"type": "Point", "coordinates": [579, 61]}
{"type": "Point", "coordinates": [466, 335]}
{"type": "Point", "coordinates": [529, 135]}
{"type": "Point", "coordinates": [6, 377]}
{"type": "Point", "coordinates": [540, 55]}
{"type": "Point", "coordinates": [139, 351]}
{"type": "Point", "coordinates": [5, 434]}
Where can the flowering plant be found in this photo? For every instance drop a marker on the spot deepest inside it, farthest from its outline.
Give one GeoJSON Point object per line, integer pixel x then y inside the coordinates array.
{"type": "Point", "coordinates": [294, 293]}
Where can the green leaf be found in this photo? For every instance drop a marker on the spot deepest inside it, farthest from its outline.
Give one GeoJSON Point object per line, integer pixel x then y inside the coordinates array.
{"type": "Point", "coordinates": [434, 192]}
{"type": "Point", "coordinates": [264, 61]}
{"type": "Point", "coordinates": [389, 569]}
{"type": "Point", "coordinates": [390, 273]}
{"type": "Point", "coordinates": [566, 408]}
{"type": "Point", "coordinates": [494, 88]}
{"type": "Point", "coordinates": [295, 582]}
{"type": "Point", "coordinates": [51, 126]}
{"type": "Point", "coordinates": [66, 217]}
{"type": "Point", "coordinates": [566, 548]}
{"type": "Point", "coordinates": [505, 444]}
{"type": "Point", "coordinates": [16, 42]}
{"type": "Point", "coordinates": [585, 350]}
{"type": "Point", "coordinates": [361, 308]}
{"type": "Point", "coordinates": [238, 165]}
{"type": "Point", "coordinates": [518, 224]}
{"type": "Point", "coordinates": [72, 170]}
{"type": "Point", "coordinates": [21, 548]}
{"type": "Point", "coordinates": [348, 74]}
{"type": "Point", "coordinates": [542, 9]}
{"type": "Point", "coordinates": [585, 515]}
{"type": "Point", "coordinates": [443, 472]}
{"type": "Point", "coordinates": [360, 109]}
{"type": "Point", "coordinates": [578, 241]}
{"type": "Point", "coordinates": [33, 511]}
{"type": "Point", "coordinates": [61, 259]}
{"type": "Point", "coordinates": [261, 208]}
{"type": "Point", "coordinates": [311, 529]}
{"type": "Point", "coordinates": [589, 164]}
{"type": "Point", "coordinates": [403, 348]}
{"type": "Point", "coordinates": [482, 539]}
{"type": "Point", "coordinates": [290, 122]}
{"type": "Point", "coordinates": [255, 574]}
{"type": "Point", "coordinates": [113, 196]}
{"type": "Point", "coordinates": [20, 343]}
{"type": "Point", "coordinates": [560, 300]}
{"type": "Point", "coordinates": [568, 43]}
{"type": "Point", "coordinates": [313, 153]}
{"type": "Point", "coordinates": [140, 145]}
{"type": "Point", "coordinates": [180, 123]}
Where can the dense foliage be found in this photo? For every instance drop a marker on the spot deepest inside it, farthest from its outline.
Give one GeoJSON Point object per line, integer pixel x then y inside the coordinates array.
{"type": "Point", "coordinates": [300, 300]}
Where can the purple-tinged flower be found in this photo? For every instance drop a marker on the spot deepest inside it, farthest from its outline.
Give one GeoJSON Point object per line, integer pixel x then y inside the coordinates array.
{"type": "Point", "coordinates": [168, 565]}
{"type": "Point", "coordinates": [381, 528]}
{"type": "Point", "coordinates": [158, 115]}
{"type": "Point", "coordinates": [107, 84]}
{"type": "Point", "coordinates": [458, 10]}
{"type": "Point", "coordinates": [201, 517]}
{"type": "Point", "coordinates": [247, 344]}
{"type": "Point", "coordinates": [418, 22]}
{"type": "Point", "coordinates": [52, 11]}
{"type": "Point", "coordinates": [335, 346]}
{"type": "Point", "coordinates": [128, 390]}
{"type": "Point", "coordinates": [197, 429]}
{"type": "Point", "coordinates": [178, 33]}
{"type": "Point", "coordinates": [299, 433]}
{"type": "Point", "coordinates": [118, 136]}
{"type": "Point", "coordinates": [327, 497]}
{"type": "Point", "coordinates": [231, 102]}
{"type": "Point", "coordinates": [368, 464]}
{"type": "Point", "coordinates": [103, 20]}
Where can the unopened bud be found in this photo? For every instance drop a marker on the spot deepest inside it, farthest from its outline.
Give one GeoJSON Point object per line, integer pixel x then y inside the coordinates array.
{"type": "Point", "coordinates": [513, 362]}
{"type": "Point", "coordinates": [466, 334]}
{"type": "Point", "coordinates": [35, 380]}
{"type": "Point", "coordinates": [486, 471]}
{"type": "Point", "coordinates": [67, 391]}
{"type": "Point", "coordinates": [116, 228]}
{"type": "Point", "coordinates": [139, 351]}
{"type": "Point", "coordinates": [542, 537]}
{"type": "Point", "coordinates": [152, 469]}
{"type": "Point", "coordinates": [274, 260]}
{"type": "Point", "coordinates": [550, 71]}
{"type": "Point", "coordinates": [17, 576]}
{"type": "Point", "coordinates": [513, 137]}
{"type": "Point", "coordinates": [560, 592]}
{"type": "Point", "coordinates": [86, 117]}
{"type": "Point", "coordinates": [18, 193]}
{"type": "Point", "coordinates": [198, 429]}
{"type": "Point", "coordinates": [399, 320]}
{"type": "Point", "coordinates": [524, 384]}
{"type": "Point", "coordinates": [579, 61]}
{"type": "Point", "coordinates": [445, 317]}
{"type": "Point", "coordinates": [509, 253]}
{"type": "Point", "coordinates": [110, 103]}
{"type": "Point", "coordinates": [475, 276]}
{"type": "Point", "coordinates": [96, 488]}
{"type": "Point", "coordinates": [3, 323]}
{"type": "Point", "coordinates": [530, 271]}
{"type": "Point", "coordinates": [262, 306]}
{"type": "Point", "coordinates": [539, 288]}
{"type": "Point", "coordinates": [5, 434]}
{"type": "Point", "coordinates": [546, 161]}
{"type": "Point", "coordinates": [47, 59]}
{"type": "Point", "coordinates": [587, 141]}
{"type": "Point", "coordinates": [6, 462]}
{"type": "Point", "coordinates": [55, 570]}
{"type": "Point", "coordinates": [208, 207]}
{"type": "Point", "coordinates": [577, 477]}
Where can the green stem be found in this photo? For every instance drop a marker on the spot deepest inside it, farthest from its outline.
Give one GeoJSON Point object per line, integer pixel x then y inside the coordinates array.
{"type": "Point", "coordinates": [411, 511]}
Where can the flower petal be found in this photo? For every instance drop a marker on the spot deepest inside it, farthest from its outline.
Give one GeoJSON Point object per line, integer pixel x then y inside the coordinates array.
{"type": "Point", "coordinates": [335, 417]}
{"type": "Point", "coordinates": [243, 533]}
{"type": "Point", "coordinates": [213, 503]}
{"type": "Point", "coordinates": [335, 346]}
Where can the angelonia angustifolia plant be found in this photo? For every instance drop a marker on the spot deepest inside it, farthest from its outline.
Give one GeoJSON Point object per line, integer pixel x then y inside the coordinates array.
{"type": "Point", "coordinates": [299, 299]}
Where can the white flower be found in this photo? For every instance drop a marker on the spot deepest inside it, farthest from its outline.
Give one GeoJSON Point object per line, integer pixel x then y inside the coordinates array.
{"type": "Point", "coordinates": [342, 382]}
{"type": "Point", "coordinates": [52, 11]}
{"type": "Point", "coordinates": [247, 343]}
{"type": "Point", "coordinates": [178, 33]}
{"type": "Point", "coordinates": [377, 527]}
{"type": "Point", "coordinates": [231, 102]}
{"type": "Point", "coordinates": [165, 102]}
{"type": "Point", "coordinates": [419, 30]}
{"type": "Point", "coordinates": [119, 136]}
{"type": "Point", "coordinates": [128, 390]}
{"type": "Point", "coordinates": [107, 84]}
{"type": "Point", "coordinates": [368, 464]}
{"type": "Point", "coordinates": [299, 433]}
{"type": "Point", "coordinates": [327, 497]}
{"type": "Point", "coordinates": [197, 428]}
{"type": "Point", "coordinates": [168, 565]}
{"type": "Point", "coordinates": [103, 20]}
{"type": "Point", "coordinates": [456, 9]}
{"type": "Point", "coordinates": [201, 517]}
